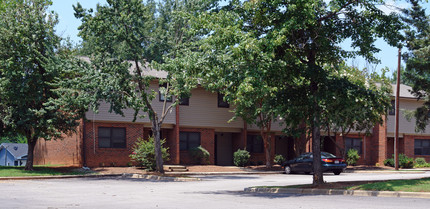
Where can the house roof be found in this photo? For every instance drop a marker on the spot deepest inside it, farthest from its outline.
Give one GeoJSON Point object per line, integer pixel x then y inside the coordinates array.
{"type": "Point", "coordinates": [16, 149]}
{"type": "Point", "coordinates": [147, 71]}
{"type": "Point", "coordinates": [405, 91]}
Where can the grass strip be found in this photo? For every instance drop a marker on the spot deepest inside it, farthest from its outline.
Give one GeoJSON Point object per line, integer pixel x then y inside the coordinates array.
{"type": "Point", "coordinates": [12, 171]}
{"type": "Point", "coordinates": [412, 185]}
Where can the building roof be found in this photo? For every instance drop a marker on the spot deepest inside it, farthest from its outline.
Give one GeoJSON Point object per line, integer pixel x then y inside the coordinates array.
{"type": "Point", "coordinates": [147, 71]}
{"type": "Point", "coordinates": [16, 149]}
{"type": "Point", "coordinates": [405, 91]}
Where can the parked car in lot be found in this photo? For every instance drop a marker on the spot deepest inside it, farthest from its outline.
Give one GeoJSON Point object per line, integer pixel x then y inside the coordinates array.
{"type": "Point", "coordinates": [304, 163]}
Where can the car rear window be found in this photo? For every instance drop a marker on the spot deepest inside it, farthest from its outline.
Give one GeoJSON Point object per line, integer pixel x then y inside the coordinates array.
{"type": "Point", "coordinates": [327, 155]}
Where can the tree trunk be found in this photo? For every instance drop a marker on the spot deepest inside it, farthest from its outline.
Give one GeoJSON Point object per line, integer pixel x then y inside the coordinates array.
{"type": "Point", "coordinates": [316, 151]}
{"type": "Point", "coordinates": [31, 141]}
{"type": "Point", "coordinates": [267, 148]}
{"type": "Point", "coordinates": [157, 145]}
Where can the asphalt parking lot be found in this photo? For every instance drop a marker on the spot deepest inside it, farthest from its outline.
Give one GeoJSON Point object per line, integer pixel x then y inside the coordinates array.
{"type": "Point", "coordinates": [219, 191]}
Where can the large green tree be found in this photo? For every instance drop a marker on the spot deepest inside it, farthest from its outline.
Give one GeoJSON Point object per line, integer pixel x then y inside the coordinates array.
{"type": "Point", "coordinates": [31, 72]}
{"type": "Point", "coordinates": [125, 33]}
{"type": "Point", "coordinates": [418, 59]}
{"type": "Point", "coordinates": [296, 39]}
{"type": "Point", "coordinates": [359, 101]}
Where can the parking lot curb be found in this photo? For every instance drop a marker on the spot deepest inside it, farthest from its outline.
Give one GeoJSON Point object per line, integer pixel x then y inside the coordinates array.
{"type": "Point", "coordinates": [158, 178]}
{"type": "Point", "coordinates": [366, 193]}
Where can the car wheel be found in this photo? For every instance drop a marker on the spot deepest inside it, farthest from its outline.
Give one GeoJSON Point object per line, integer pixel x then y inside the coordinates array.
{"type": "Point", "coordinates": [337, 172]}
{"type": "Point", "coordinates": [287, 169]}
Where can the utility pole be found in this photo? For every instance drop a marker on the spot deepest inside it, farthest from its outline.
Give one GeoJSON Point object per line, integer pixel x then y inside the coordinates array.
{"type": "Point", "coordinates": [396, 137]}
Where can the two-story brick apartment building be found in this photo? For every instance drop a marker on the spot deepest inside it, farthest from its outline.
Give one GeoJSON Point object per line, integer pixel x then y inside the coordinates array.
{"type": "Point", "coordinates": [106, 139]}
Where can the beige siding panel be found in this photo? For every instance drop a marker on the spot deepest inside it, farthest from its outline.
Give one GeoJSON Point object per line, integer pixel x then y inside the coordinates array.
{"type": "Point", "coordinates": [203, 111]}
{"type": "Point", "coordinates": [405, 127]}
{"type": "Point", "coordinates": [104, 115]}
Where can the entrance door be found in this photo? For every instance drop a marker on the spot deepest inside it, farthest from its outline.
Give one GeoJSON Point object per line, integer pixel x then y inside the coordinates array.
{"type": "Point", "coordinates": [224, 149]}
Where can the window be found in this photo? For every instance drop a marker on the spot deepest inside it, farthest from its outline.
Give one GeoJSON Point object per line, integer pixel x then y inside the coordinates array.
{"type": "Point", "coordinates": [254, 144]}
{"type": "Point", "coordinates": [392, 110]}
{"type": "Point", "coordinates": [184, 101]}
{"type": "Point", "coordinates": [221, 102]}
{"type": "Point", "coordinates": [353, 143]}
{"type": "Point", "coordinates": [111, 137]}
{"type": "Point", "coordinates": [189, 140]}
{"type": "Point", "coordinates": [162, 91]}
{"type": "Point", "coordinates": [422, 147]}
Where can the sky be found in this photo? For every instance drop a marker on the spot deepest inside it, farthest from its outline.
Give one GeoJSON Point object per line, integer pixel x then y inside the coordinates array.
{"type": "Point", "coordinates": [68, 27]}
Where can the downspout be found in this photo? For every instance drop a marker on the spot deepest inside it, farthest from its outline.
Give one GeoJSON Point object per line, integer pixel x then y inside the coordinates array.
{"type": "Point", "coordinates": [178, 152]}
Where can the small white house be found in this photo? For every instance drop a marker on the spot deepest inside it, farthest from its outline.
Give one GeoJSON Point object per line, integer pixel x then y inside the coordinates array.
{"type": "Point", "coordinates": [13, 154]}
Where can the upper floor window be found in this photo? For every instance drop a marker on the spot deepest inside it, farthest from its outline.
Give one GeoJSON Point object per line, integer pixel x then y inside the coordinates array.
{"type": "Point", "coordinates": [189, 140]}
{"type": "Point", "coordinates": [353, 143]}
{"type": "Point", "coordinates": [110, 137]}
{"type": "Point", "coordinates": [254, 144]}
{"type": "Point", "coordinates": [221, 102]}
{"type": "Point", "coordinates": [162, 93]}
{"type": "Point", "coordinates": [422, 147]}
{"type": "Point", "coordinates": [392, 110]}
{"type": "Point", "coordinates": [184, 101]}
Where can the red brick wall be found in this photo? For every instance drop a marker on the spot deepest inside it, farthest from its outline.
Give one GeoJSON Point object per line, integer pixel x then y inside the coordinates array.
{"type": "Point", "coordinates": [409, 141]}
{"type": "Point", "coordinates": [207, 141]}
{"type": "Point", "coordinates": [378, 144]}
{"type": "Point", "coordinates": [67, 152]}
{"type": "Point", "coordinates": [96, 156]}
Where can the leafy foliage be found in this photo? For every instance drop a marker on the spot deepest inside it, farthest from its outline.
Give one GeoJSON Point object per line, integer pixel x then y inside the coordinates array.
{"type": "Point", "coordinates": [404, 161]}
{"type": "Point", "coordinates": [200, 155]}
{"type": "Point", "coordinates": [279, 159]}
{"type": "Point", "coordinates": [241, 157]}
{"type": "Point", "coordinates": [418, 59]}
{"type": "Point", "coordinates": [144, 153]}
{"type": "Point", "coordinates": [352, 157]}
{"type": "Point", "coordinates": [32, 70]}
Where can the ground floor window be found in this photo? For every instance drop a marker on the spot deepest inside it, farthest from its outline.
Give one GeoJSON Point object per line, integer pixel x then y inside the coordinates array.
{"type": "Point", "coordinates": [254, 144]}
{"type": "Point", "coordinates": [189, 140]}
{"type": "Point", "coordinates": [353, 143]}
{"type": "Point", "coordinates": [422, 147]}
{"type": "Point", "coordinates": [110, 137]}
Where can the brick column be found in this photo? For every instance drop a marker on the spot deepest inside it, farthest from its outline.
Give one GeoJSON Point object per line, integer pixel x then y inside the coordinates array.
{"type": "Point", "coordinates": [378, 149]}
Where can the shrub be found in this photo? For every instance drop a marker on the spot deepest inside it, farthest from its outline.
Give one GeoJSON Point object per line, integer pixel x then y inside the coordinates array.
{"type": "Point", "coordinates": [200, 155]}
{"type": "Point", "coordinates": [389, 162]}
{"type": "Point", "coordinates": [241, 157]}
{"type": "Point", "coordinates": [404, 161]}
{"type": "Point", "coordinates": [279, 159]}
{"type": "Point", "coordinates": [352, 157]}
{"type": "Point", "coordinates": [144, 153]}
{"type": "Point", "coordinates": [420, 161]}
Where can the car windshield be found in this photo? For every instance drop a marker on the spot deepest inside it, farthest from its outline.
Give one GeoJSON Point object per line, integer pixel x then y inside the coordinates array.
{"type": "Point", "coordinates": [327, 155]}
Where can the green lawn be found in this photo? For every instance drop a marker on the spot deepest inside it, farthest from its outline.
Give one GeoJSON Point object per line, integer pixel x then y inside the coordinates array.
{"type": "Point", "coordinates": [10, 171]}
{"type": "Point", "coordinates": [414, 185]}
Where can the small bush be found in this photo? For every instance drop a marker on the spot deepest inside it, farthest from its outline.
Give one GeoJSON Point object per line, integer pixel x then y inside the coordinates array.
{"type": "Point", "coordinates": [389, 162]}
{"type": "Point", "coordinates": [241, 157]}
{"type": "Point", "coordinates": [279, 159]}
{"type": "Point", "coordinates": [352, 157]}
{"type": "Point", "coordinates": [404, 161]}
{"type": "Point", "coordinates": [144, 153]}
{"type": "Point", "coordinates": [420, 161]}
{"type": "Point", "coordinates": [200, 155]}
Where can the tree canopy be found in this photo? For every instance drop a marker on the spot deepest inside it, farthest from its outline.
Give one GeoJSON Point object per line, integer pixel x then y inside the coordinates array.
{"type": "Point", "coordinates": [31, 70]}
